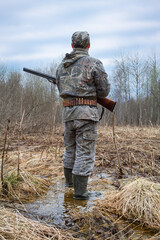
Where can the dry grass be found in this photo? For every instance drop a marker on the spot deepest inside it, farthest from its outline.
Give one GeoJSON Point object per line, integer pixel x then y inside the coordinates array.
{"type": "Point", "coordinates": [22, 187]}
{"type": "Point", "coordinates": [95, 225]}
{"type": "Point", "coordinates": [13, 225]}
{"type": "Point", "coordinates": [41, 165]}
{"type": "Point", "coordinates": [138, 150]}
{"type": "Point", "coordinates": [137, 200]}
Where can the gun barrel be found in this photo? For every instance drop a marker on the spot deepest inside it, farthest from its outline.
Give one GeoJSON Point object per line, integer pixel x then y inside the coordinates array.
{"type": "Point", "coordinates": [39, 74]}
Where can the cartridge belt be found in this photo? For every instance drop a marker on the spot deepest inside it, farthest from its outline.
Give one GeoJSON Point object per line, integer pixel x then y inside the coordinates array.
{"type": "Point", "coordinates": [79, 101]}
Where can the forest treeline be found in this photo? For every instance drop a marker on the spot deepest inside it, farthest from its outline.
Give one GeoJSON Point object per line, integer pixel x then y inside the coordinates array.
{"type": "Point", "coordinates": [135, 85]}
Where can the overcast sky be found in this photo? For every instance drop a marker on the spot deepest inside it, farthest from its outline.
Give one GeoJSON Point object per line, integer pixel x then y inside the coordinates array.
{"type": "Point", "coordinates": [35, 32]}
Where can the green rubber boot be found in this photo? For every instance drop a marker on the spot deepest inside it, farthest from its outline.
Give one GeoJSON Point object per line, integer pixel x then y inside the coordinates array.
{"type": "Point", "coordinates": [80, 187]}
{"type": "Point", "coordinates": [68, 177]}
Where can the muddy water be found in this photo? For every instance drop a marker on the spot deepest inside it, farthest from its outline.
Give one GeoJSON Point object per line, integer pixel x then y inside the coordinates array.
{"type": "Point", "coordinates": [56, 206]}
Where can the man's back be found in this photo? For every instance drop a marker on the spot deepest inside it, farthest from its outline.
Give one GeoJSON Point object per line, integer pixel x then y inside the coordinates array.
{"type": "Point", "coordinates": [80, 75]}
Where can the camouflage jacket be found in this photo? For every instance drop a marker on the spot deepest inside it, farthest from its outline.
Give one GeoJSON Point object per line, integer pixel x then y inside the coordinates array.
{"type": "Point", "coordinates": [80, 75]}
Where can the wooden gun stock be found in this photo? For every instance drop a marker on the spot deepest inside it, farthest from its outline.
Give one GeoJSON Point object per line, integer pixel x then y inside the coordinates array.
{"type": "Point", "coordinates": [105, 102]}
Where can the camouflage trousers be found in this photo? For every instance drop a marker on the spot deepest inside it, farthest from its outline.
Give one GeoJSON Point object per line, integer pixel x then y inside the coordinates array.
{"type": "Point", "coordinates": [79, 139]}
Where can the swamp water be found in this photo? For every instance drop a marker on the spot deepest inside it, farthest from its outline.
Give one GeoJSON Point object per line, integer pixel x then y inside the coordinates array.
{"type": "Point", "coordinates": [56, 206]}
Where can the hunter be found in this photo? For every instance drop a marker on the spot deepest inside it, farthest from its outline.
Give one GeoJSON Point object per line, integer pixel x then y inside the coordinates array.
{"type": "Point", "coordinates": [81, 79]}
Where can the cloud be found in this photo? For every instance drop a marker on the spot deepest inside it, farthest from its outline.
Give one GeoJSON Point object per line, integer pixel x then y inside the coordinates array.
{"type": "Point", "coordinates": [43, 52]}
{"type": "Point", "coordinates": [32, 30]}
{"type": "Point", "coordinates": [118, 22]}
{"type": "Point", "coordinates": [43, 11]}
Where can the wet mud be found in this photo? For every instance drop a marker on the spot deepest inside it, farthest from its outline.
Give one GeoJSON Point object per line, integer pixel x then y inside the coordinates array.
{"type": "Point", "coordinates": [60, 209]}
{"type": "Point", "coordinates": [138, 153]}
{"type": "Point", "coordinates": [56, 206]}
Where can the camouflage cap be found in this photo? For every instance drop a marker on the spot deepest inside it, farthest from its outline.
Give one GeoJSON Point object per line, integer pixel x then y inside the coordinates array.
{"type": "Point", "coordinates": [80, 39]}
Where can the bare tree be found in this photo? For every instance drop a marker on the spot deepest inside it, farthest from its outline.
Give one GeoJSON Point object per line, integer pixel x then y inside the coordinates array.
{"type": "Point", "coordinates": [121, 81]}
{"type": "Point", "coordinates": [137, 70]}
{"type": "Point", "coordinates": [154, 76]}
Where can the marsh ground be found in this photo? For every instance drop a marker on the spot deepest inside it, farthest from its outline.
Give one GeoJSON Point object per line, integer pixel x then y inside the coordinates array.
{"type": "Point", "coordinates": [39, 192]}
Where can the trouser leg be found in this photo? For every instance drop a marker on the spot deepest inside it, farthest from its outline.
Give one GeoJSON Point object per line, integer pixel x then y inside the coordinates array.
{"type": "Point", "coordinates": [80, 138]}
{"type": "Point", "coordinates": [69, 153]}
{"type": "Point", "coordinates": [86, 134]}
{"type": "Point", "coordinates": [70, 145]}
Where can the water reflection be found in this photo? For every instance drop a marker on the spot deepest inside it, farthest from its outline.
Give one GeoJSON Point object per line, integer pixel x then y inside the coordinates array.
{"type": "Point", "coordinates": [55, 207]}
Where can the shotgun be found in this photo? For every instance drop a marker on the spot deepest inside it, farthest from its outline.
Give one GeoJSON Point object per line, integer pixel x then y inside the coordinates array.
{"type": "Point", "coordinates": [104, 102]}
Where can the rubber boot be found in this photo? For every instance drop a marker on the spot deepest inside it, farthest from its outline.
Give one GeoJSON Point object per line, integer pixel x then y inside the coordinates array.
{"type": "Point", "coordinates": [68, 177]}
{"type": "Point", "coordinates": [80, 187]}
